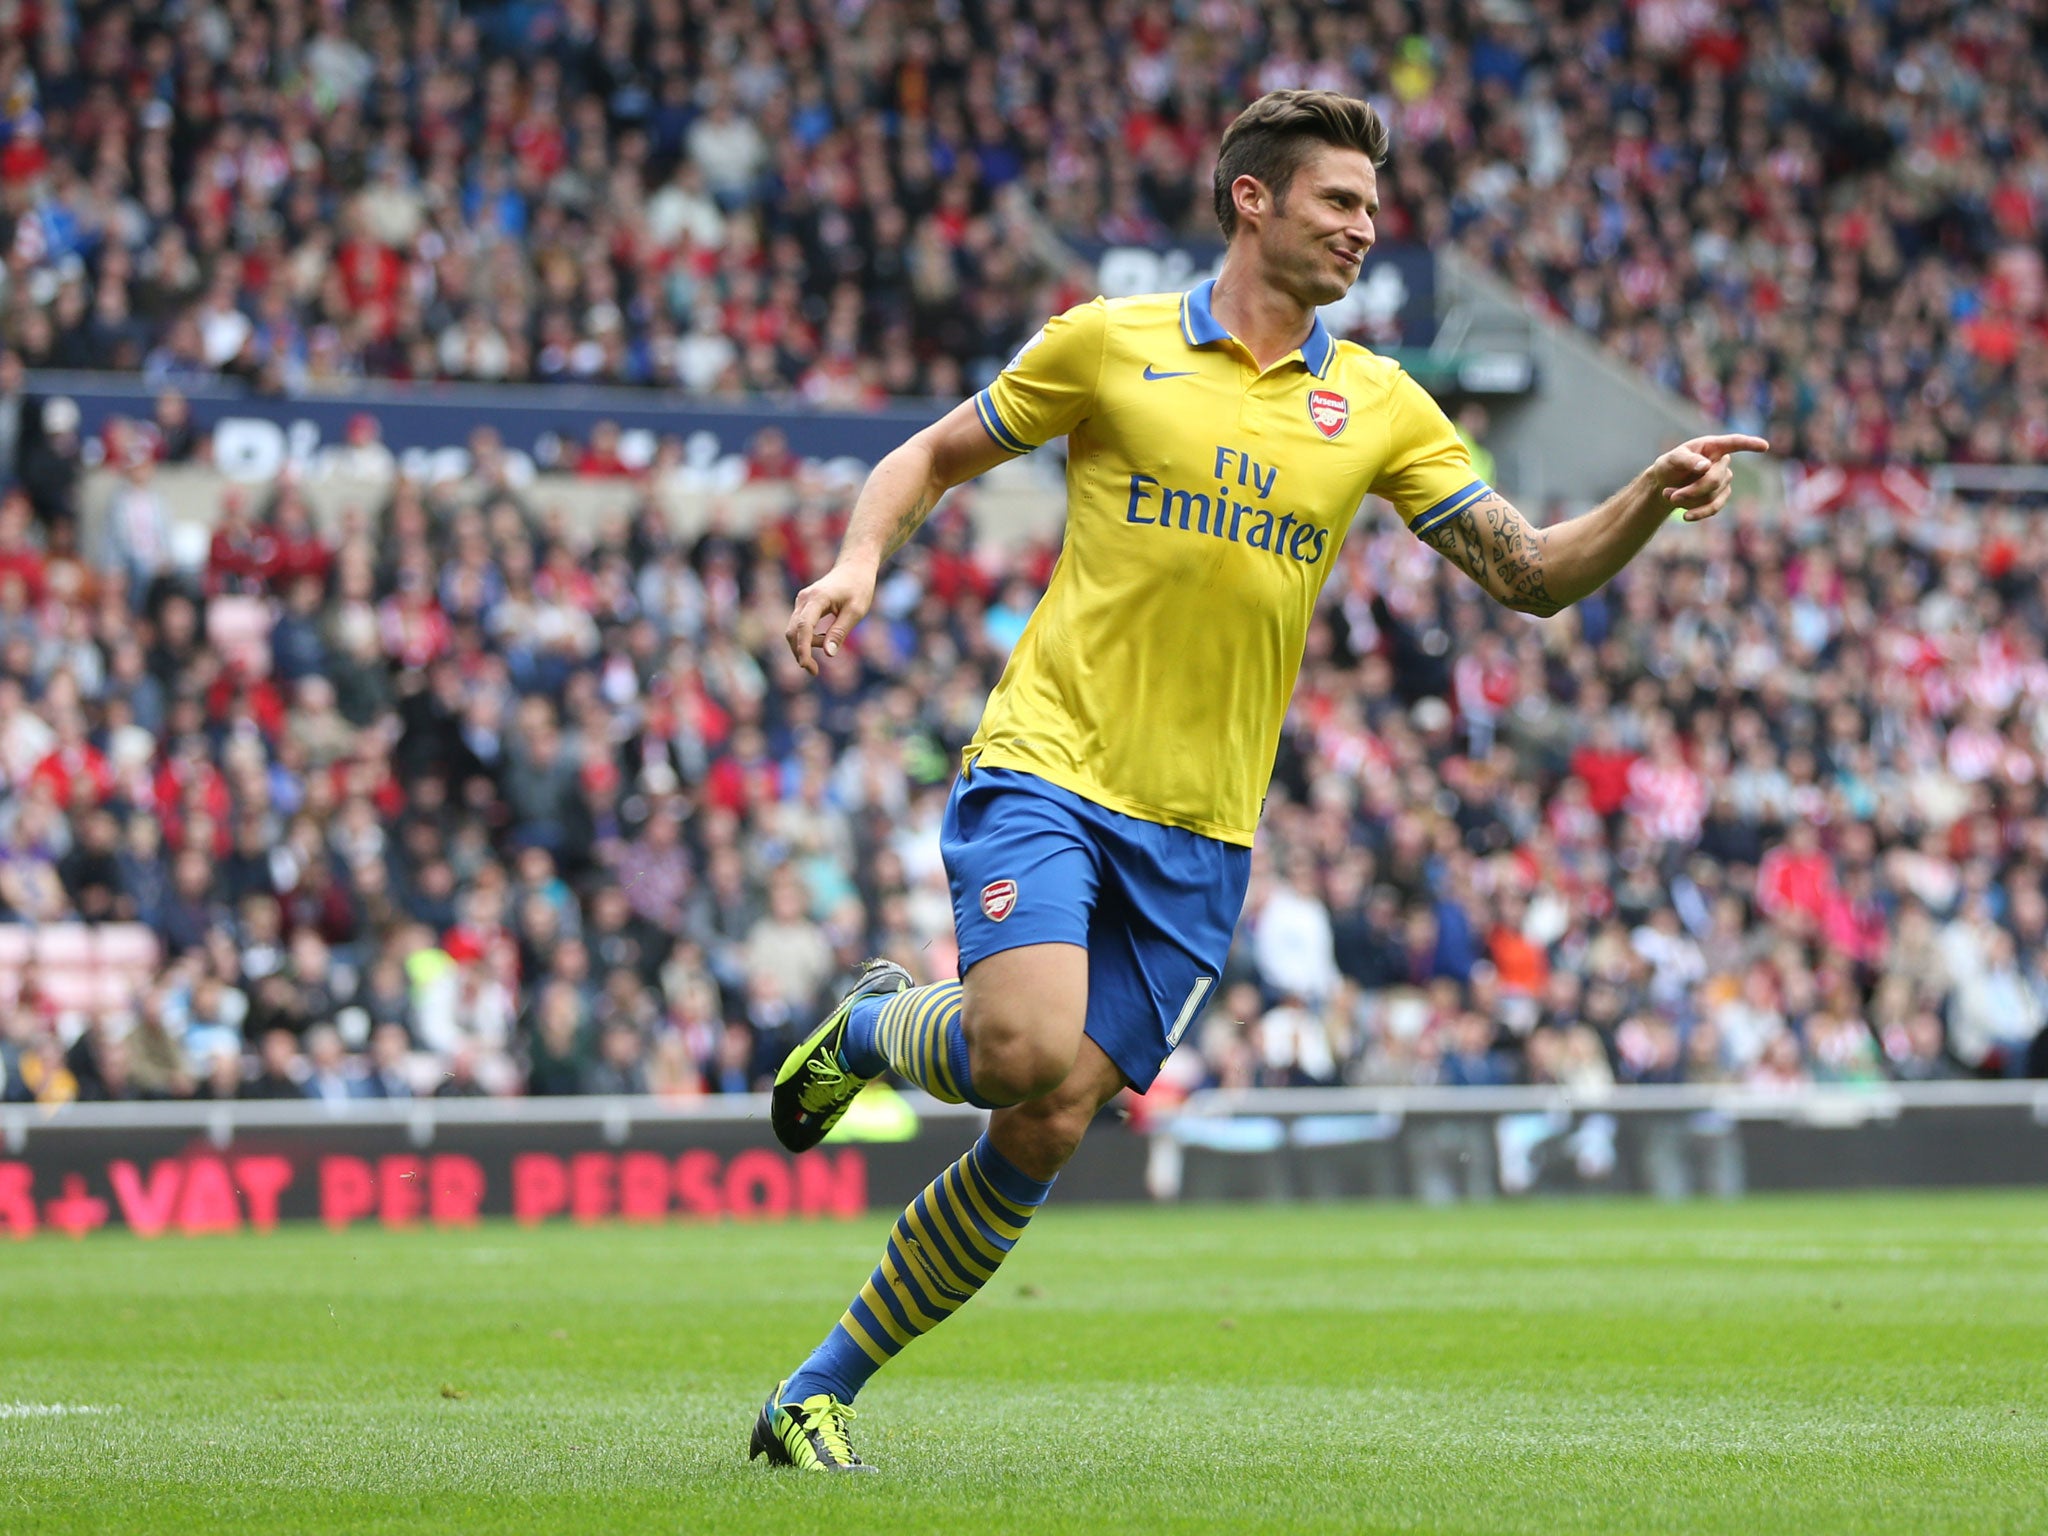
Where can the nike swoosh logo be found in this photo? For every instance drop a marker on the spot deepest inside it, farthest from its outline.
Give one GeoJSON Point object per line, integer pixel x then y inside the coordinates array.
{"type": "Point", "coordinates": [1153, 373]}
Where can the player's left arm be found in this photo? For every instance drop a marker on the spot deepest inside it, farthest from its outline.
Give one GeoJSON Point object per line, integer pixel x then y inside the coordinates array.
{"type": "Point", "coordinates": [1544, 570]}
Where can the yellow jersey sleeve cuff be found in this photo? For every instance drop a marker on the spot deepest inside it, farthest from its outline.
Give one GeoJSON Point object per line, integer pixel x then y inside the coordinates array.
{"type": "Point", "coordinates": [992, 423]}
{"type": "Point", "coordinates": [1432, 518]}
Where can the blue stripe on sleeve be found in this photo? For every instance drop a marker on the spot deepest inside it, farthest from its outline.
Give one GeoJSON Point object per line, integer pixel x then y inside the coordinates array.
{"type": "Point", "coordinates": [992, 422]}
{"type": "Point", "coordinates": [1449, 507]}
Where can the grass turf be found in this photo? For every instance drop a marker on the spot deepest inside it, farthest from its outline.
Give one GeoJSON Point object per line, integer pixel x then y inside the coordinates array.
{"type": "Point", "coordinates": [1781, 1365]}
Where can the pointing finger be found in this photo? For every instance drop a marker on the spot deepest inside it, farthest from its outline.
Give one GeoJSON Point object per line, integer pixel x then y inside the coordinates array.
{"type": "Point", "coordinates": [1730, 442]}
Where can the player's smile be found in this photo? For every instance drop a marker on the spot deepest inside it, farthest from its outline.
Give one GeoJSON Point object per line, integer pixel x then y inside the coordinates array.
{"type": "Point", "coordinates": [1332, 206]}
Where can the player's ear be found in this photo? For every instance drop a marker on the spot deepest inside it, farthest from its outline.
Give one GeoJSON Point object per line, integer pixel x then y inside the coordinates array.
{"type": "Point", "coordinates": [1251, 196]}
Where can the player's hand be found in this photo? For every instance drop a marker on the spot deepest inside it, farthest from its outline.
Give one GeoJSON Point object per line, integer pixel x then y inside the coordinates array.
{"type": "Point", "coordinates": [1700, 475]}
{"type": "Point", "coordinates": [827, 610]}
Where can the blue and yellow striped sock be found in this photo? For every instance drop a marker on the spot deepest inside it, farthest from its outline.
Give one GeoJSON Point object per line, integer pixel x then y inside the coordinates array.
{"type": "Point", "coordinates": [919, 1034]}
{"type": "Point", "coordinates": [943, 1248]}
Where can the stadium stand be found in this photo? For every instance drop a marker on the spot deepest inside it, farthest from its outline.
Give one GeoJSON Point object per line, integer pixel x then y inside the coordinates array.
{"type": "Point", "coordinates": [1820, 223]}
{"type": "Point", "coordinates": [465, 801]}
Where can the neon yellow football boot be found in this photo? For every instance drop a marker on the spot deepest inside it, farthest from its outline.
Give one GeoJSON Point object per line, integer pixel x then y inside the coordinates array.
{"type": "Point", "coordinates": [810, 1434]}
{"type": "Point", "coordinates": [813, 1087]}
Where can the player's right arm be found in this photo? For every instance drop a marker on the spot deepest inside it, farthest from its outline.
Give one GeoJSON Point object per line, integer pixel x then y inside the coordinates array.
{"type": "Point", "coordinates": [899, 495]}
{"type": "Point", "coordinates": [1046, 390]}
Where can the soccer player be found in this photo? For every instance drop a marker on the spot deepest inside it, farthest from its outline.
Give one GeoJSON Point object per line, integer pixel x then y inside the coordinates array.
{"type": "Point", "coordinates": [1098, 839]}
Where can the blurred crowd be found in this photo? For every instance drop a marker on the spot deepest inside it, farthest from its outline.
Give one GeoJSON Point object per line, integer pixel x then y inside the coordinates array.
{"type": "Point", "coordinates": [1769, 810]}
{"type": "Point", "coordinates": [1821, 222]}
{"type": "Point", "coordinates": [488, 804]}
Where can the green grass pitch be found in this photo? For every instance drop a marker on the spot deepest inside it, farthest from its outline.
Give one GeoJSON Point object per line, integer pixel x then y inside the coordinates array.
{"type": "Point", "coordinates": [1778, 1366]}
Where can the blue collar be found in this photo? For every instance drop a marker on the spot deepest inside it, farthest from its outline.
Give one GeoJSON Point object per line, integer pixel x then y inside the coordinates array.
{"type": "Point", "coordinates": [1199, 325]}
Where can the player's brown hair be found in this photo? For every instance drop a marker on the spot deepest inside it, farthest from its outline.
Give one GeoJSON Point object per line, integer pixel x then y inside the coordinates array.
{"type": "Point", "coordinates": [1271, 137]}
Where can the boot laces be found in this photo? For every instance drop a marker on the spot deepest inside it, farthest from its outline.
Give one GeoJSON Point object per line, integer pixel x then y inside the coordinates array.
{"type": "Point", "coordinates": [824, 1083]}
{"type": "Point", "coordinates": [826, 1417]}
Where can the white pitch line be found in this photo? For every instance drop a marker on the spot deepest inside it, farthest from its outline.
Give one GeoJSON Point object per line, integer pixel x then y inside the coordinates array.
{"type": "Point", "coordinates": [47, 1410]}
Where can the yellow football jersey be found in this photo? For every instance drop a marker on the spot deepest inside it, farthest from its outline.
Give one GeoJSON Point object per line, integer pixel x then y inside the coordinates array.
{"type": "Point", "coordinates": [1206, 501]}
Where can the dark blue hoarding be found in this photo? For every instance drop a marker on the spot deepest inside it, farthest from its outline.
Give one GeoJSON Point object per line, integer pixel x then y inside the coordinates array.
{"type": "Point", "coordinates": [255, 434]}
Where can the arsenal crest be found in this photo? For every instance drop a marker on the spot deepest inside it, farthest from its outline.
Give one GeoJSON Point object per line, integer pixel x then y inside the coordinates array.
{"type": "Point", "coordinates": [1328, 410]}
{"type": "Point", "coordinates": [998, 899]}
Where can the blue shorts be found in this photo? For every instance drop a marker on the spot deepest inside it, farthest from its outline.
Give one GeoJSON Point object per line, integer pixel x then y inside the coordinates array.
{"type": "Point", "coordinates": [1154, 906]}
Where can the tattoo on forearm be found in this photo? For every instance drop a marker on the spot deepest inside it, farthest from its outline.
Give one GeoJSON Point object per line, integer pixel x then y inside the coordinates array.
{"type": "Point", "coordinates": [1517, 551]}
{"type": "Point", "coordinates": [1458, 542]}
{"type": "Point", "coordinates": [1491, 543]}
{"type": "Point", "coordinates": [909, 523]}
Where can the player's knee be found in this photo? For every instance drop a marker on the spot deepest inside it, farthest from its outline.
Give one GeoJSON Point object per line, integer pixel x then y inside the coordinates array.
{"type": "Point", "coordinates": [1012, 1064]}
{"type": "Point", "coordinates": [1061, 1132]}
{"type": "Point", "coordinates": [1015, 1070]}
{"type": "Point", "coordinates": [1038, 1136]}
{"type": "Point", "coordinates": [1021, 1043]}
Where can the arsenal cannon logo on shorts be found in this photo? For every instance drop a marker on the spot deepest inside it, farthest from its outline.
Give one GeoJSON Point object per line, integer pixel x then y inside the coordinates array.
{"type": "Point", "coordinates": [1328, 410]}
{"type": "Point", "coordinates": [998, 899]}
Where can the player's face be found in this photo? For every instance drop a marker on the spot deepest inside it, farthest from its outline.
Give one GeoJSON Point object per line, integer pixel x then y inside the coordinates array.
{"type": "Point", "coordinates": [1315, 239]}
